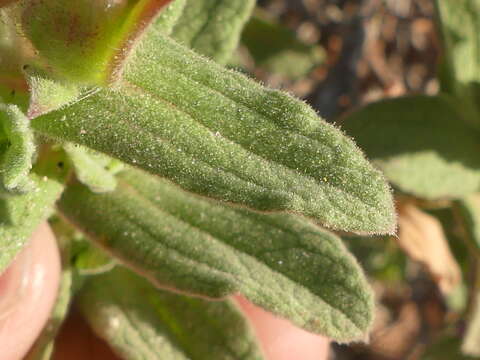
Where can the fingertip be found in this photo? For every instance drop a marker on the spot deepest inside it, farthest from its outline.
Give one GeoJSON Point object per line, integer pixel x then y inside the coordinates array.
{"type": "Point", "coordinates": [280, 339]}
{"type": "Point", "coordinates": [34, 275]}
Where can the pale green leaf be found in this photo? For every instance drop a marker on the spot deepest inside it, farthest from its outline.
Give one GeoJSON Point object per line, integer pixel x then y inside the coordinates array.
{"type": "Point", "coordinates": [43, 347]}
{"type": "Point", "coordinates": [23, 213]}
{"type": "Point", "coordinates": [421, 145]}
{"type": "Point", "coordinates": [89, 170]}
{"type": "Point", "coordinates": [217, 133]}
{"type": "Point", "coordinates": [277, 50]}
{"type": "Point", "coordinates": [281, 262]}
{"type": "Point", "coordinates": [213, 27]}
{"type": "Point", "coordinates": [141, 322]}
{"type": "Point", "coordinates": [168, 17]}
{"type": "Point", "coordinates": [16, 158]}
{"type": "Point", "coordinates": [47, 93]}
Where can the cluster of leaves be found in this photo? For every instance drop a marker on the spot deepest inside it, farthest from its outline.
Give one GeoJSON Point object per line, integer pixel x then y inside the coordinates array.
{"type": "Point", "coordinates": [426, 147]}
{"type": "Point", "coordinates": [120, 117]}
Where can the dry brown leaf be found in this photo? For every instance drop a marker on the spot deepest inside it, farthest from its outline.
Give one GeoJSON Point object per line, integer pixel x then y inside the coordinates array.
{"type": "Point", "coordinates": [421, 236]}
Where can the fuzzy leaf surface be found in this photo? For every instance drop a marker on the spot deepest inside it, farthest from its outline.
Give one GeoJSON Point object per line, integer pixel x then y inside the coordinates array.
{"type": "Point", "coordinates": [142, 322]}
{"type": "Point", "coordinates": [421, 145]}
{"type": "Point", "coordinates": [213, 27]}
{"type": "Point", "coordinates": [219, 134]}
{"type": "Point", "coordinates": [19, 148]}
{"type": "Point", "coordinates": [20, 215]}
{"type": "Point", "coordinates": [281, 262]}
{"type": "Point", "coordinates": [89, 170]}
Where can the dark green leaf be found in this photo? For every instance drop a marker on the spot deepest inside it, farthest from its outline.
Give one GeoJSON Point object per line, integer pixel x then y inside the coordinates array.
{"type": "Point", "coordinates": [219, 134]}
{"type": "Point", "coordinates": [141, 322]}
{"type": "Point", "coordinates": [278, 50]}
{"type": "Point", "coordinates": [421, 145]}
{"type": "Point", "coordinates": [280, 262]}
{"type": "Point", "coordinates": [213, 27]}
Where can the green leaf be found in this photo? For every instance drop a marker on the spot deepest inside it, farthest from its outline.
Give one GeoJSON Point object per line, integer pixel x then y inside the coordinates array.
{"type": "Point", "coordinates": [460, 25]}
{"type": "Point", "coordinates": [13, 89]}
{"type": "Point", "coordinates": [459, 22]}
{"type": "Point", "coordinates": [219, 134]}
{"type": "Point", "coordinates": [213, 27]}
{"type": "Point", "coordinates": [43, 347]}
{"type": "Point", "coordinates": [92, 261]}
{"type": "Point", "coordinates": [16, 160]}
{"type": "Point", "coordinates": [89, 170]}
{"type": "Point", "coordinates": [141, 322]}
{"type": "Point", "coordinates": [471, 344]}
{"type": "Point", "coordinates": [276, 49]}
{"type": "Point", "coordinates": [421, 145]}
{"type": "Point", "coordinates": [281, 262]}
{"type": "Point", "coordinates": [23, 213]}
{"type": "Point", "coordinates": [469, 209]}
{"type": "Point", "coordinates": [168, 17]}
{"type": "Point", "coordinates": [47, 93]}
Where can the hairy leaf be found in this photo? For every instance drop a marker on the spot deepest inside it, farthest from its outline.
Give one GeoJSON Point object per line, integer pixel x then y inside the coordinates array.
{"type": "Point", "coordinates": [168, 17]}
{"type": "Point", "coordinates": [421, 145]}
{"type": "Point", "coordinates": [47, 93]}
{"type": "Point", "coordinates": [213, 27]}
{"type": "Point", "coordinates": [89, 170]}
{"type": "Point", "coordinates": [280, 262]}
{"type": "Point", "coordinates": [219, 134]}
{"type": "Point", "coordinates": [141, 322]}
{"type": "Point", "coordinates": [16, 159]}
{"type": "Point", "coordinates": [20, 215]}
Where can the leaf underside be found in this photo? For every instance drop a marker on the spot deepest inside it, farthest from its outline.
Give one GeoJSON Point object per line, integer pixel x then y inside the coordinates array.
{"type": "Point", "coordinates": [280, 262]}
{"type": "Point", "coordinates": [141, 322]}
